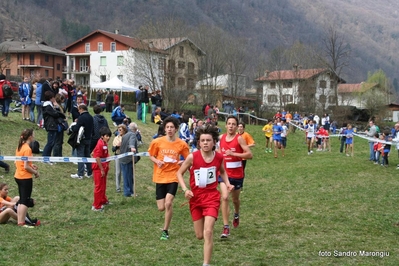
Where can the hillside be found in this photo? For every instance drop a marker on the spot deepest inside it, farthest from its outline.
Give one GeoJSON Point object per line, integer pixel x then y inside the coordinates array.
{"type": "Point", "coordinates": [371, 28]}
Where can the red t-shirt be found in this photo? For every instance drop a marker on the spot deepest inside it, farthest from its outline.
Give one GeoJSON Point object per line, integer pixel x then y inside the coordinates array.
{"type": "Point", "coordinates": [100, 151]}
{"type": "Point", "coordinates": [232, 164]}
{"type": "Point", "coordinates": [212, 169]}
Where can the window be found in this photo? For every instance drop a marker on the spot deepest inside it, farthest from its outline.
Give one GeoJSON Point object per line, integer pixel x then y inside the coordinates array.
{"type": "Point", "coordinates": [191, 68]}
{"type": "Point", "coordinates": [171, 65]}
{"type": "Point", "coordinates": [8, 73]}
{"type": "Point", "coordinates": [287, 84]}
{"type": "Point", "coordinates": [31, 59]}
{"type": "Point", "coordinates": [323, 84]}
{"type": "Point", "coordinates": [119, 60]}
{"type": "Point", "coordinates": [272, 98]}
{"type": "Point", "coordinates": [287, 98]}
{"type": "Point", "coordinates": [103, 60]}
{"type": "Point", "coordinates": [181, 81]}
{"type": "Point", "coordinates": [46, 73]}
{"type": "Point", "coordinates": [83, 65]}
{"type": "Point", "coordinates": [181, 51]}
{"type": "Point", "coordinates": [322, 98]}
{"type": "Point", "coordinates": [58, 66]}
{"type": "Point", "coordinates": [331, 99]}
{"type": "Point", "coordinates": [46, 58]}
{"type": "Point", "coordinates": [172, 82]}
{"type": "Point", "coordinates": [272, 85]}
{"type": "Point", "coordinates": [190, 84]}
{"type": "Point", "coordinates": [100, 47]}
{"type": "Point", "coordinates": [87, 48]}
{"type": "Point", "coordinates": [181, 64]}
{"type": "Point", "coordinates": [103, 78]}
{"type": "Point", "coordinates": [113, 47]}
{"type": "Point", "coordinates": [120, 77]}
{"type": "Point", "coordinates": [8, 58]}
{"type": "Point", "coordinates": [161, 64]}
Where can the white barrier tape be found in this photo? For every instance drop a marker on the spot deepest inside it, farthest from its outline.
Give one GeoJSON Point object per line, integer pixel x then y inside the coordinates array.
{"type": "Point", "coordinates": [71, 159]}
{"type": "Point", "coordinates": [355, 134]}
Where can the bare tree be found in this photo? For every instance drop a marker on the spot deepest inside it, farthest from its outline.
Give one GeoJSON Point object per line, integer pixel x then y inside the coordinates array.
{"type": "Point", "coordinates": [236, 65]}
{"type": "Point", "coordinates": [335, 56]}
{"type": "Point", "coordinates": [213, 41]}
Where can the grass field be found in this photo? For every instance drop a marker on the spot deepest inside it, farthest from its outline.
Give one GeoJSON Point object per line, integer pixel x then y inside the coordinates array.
{"type": "Point", "coordinates": [296, 210]}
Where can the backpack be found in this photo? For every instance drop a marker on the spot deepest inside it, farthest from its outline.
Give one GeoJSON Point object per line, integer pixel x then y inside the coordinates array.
{"type": "Point", "coordinates": [7, 90]}
{"type": "Point", "coordinates": [377, 128]}
{"type": "Point", "coordinates": [114, 112]}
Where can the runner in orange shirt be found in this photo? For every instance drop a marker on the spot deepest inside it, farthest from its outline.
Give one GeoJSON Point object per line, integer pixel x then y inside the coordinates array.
{"type": "Point", "coordinates": [165, 153]}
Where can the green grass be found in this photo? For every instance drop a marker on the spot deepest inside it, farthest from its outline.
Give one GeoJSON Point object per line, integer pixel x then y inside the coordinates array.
{"type": "Point", "coordinates": [292, 208]}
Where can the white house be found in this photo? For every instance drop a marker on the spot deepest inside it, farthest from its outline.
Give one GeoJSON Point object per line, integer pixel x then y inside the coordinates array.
{"type": "Point", "coordinates": [310, 88]}
{"type": "Point", "coordinates": [102, 55]}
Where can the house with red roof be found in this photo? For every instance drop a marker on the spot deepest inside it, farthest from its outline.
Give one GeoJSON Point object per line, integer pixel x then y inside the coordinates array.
{"type": "Point", "coordinates": [34, 59]}
{"type": "Point", "coordinates": [353, 94]}
{"type": "Point", "coordinates": [309, 89]}
{"type": "Point", "coordinates": [102, 55]}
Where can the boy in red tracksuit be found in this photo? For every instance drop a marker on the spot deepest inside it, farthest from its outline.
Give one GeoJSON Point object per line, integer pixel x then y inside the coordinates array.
{"type": "Point", "coordinates": [100, 170]}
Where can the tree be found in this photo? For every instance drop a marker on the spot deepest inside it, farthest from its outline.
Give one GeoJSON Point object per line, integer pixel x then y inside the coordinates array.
{"type": "Point", "coordinates": [213, 41]}
{"type": "Point", "coordinates": [159, 70]}
{"type": "Point", "coordinates": [335, 56]}
{"type": "Point", "coordinates": [379, 96]}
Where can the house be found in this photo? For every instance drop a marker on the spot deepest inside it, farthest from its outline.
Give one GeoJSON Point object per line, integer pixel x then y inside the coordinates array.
{"type": "Point", "coordinates": [227, 87]}
{"type": "Point", "coordinates": [308, 89]}
{"type": "Point", "coordinates": [31, 58]}
{"type": "Point", "coordinates": [353, 94]}
{"type": "Point", "coordinates": [102, 55]}
{"type": "Point", "coordinates": [182, 61]}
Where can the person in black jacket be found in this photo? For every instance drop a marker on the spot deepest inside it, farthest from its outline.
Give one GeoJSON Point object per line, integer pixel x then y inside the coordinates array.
{"type": "Point", "coordinates": [51, 121]}
{"type": "Point", "coordinates": [85, 120]}
{"type": "Point", "coordinates": [109, 101]}
{"type": "Point", "coordinates": [99, 122]}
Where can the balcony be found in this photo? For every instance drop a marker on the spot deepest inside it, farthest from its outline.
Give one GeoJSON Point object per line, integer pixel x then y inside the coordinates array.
{"type": "Point", "coordinates": [79, 70]}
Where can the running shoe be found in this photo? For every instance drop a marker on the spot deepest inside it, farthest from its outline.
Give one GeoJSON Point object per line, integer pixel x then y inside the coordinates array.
{"type": "Point", "coordinates": [164, 235]}
{"type": "Point", "coordinates": [76, 176]}
{"type": "Point", "coordinates": [97, 210]}
{"type": "Point", "coordinates": [226, 232]}
{"type": "Point", "coordinates": [236, 222]}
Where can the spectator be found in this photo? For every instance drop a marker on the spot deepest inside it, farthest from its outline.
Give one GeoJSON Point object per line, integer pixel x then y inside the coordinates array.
{"type": "Point", "coordinates": [109, 100]}
{"type": "Point", "coordinates": [118, 115]}
{"type": "Point", "coordinates": [85, 120]}
{"type": "Point", "coordinates": [24, 92]}
{"type": "Point", "coordinates": [4, 99]}
{"type": "Point", "coordinates": [51, 120]}
{"type": "Point", "coordinates": [370, 133]}
{"type": "Point", "coordinates": [99, 121]}
{"type": "Point", "coordinates": [128, 144]}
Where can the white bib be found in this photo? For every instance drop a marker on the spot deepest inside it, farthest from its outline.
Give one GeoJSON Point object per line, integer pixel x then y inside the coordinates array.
{"type": "Point", "coordinates": [205, 176]}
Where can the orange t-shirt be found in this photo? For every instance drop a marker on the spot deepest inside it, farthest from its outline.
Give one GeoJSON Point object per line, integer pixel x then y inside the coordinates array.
{"type": "Point", "coordinates": [21, 172]}
{"type": "Point", "coordinates": [1, 201]}
{"type": "Point", "coordinates": [248, 138]}
{"type": "Point", "coordinates": [169, 152]}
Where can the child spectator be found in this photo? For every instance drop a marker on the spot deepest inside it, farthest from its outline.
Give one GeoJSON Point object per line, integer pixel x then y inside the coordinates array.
{"type": "Point", "coordinates": [100, 170]}
{"type": "Point", "coordinates": [387, 148]}
{"type": "Point", "coordinates": [378, 148]}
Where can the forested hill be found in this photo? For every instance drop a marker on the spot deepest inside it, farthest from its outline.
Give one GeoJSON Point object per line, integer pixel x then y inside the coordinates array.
{"type": "Point", "coordinates": [370, 27]}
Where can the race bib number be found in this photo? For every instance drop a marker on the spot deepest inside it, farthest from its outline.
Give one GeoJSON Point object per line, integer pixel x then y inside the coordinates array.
{"type": "Point", "coordinates": [205, 176]}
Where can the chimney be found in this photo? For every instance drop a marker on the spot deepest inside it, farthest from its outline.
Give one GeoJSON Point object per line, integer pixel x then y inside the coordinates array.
{"type": "Point", "coordinates": [151, 45]}
{"type": "Point", "coordinates": [116, 31]}
{"type": "Point", "coordinates": [295, 67]}
{"type": "Point", "coordinates": [266, 73]}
